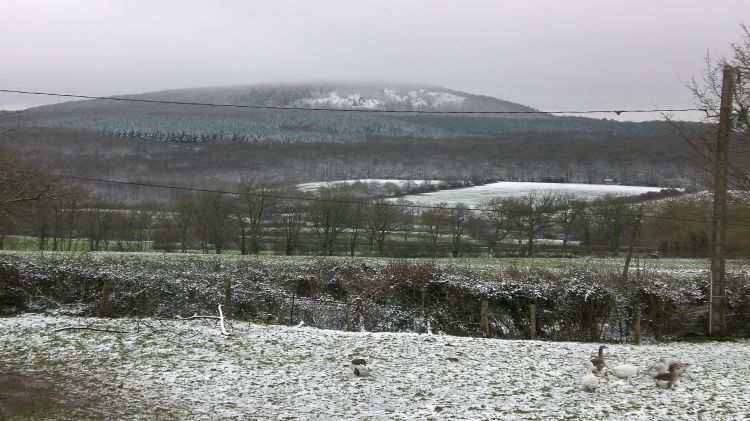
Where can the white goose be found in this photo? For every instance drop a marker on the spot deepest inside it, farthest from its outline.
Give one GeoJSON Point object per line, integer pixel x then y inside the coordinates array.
{"type": "Point", "coordinates": [589, 382]}
{"type": "Point", "coordinates": [626, 371]}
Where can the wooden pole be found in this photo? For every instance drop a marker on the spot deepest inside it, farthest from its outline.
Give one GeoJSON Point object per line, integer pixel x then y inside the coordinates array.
{"type": "Point", "coordinates": [291, 311]}
{"type": "Point", "coordinates": [428, 328]}
{"type": "Point", "coordinates": [361, 311]}
{"type": "Point", "coordinates": [104, 304]}
{"type": "Point", "coordinates": [637, 327]}
{"type": "Point", "coordinates": [348, 316]}
{"type": "Point", "coordinates": [485, 314]}
{"type": "Point", "coordinates": [228, 297]}
{"type": "Point", "coordinates": [532, 321]}
{"type": "Point", "coordinates": [717, 305]}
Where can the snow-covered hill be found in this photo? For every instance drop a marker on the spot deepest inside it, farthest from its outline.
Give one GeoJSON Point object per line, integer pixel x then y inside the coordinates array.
{"type": "Point", "coordinates": [380, 96]}
{"type": "Point", "coordinates": [402, 97]}
{"type": "Point", "coordinates": [176, 122]}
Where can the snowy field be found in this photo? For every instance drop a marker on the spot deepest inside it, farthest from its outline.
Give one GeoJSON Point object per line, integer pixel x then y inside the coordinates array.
{"type": "Point", "coordinates": [188, 370]}
{"type": "Point", "coordinates": [479, 195]}
{"type": "Point", "coordinates": [379, 182]}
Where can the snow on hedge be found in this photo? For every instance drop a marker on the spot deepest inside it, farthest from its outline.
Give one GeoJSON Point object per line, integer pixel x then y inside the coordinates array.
{"type": "Point", "coordinates": [188, 370]}
{"type": "Point", "coordinates": [397, 295]}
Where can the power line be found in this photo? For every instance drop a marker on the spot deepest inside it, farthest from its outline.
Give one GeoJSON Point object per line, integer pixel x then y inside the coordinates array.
{"type": "Point", "coordinates": [357, 110]}
{"type": "Point", "coordinates": [358, 202]}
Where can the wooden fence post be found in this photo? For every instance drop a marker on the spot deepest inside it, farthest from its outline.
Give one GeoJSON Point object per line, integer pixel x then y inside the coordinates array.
{"type": "Point", "coordinates": [532, 321]}
{"type": "Point", "coordinates": [361, 312]}
{"type": "Point", "coordinates": [228, 297]}
{"type": "Point", "coordinates": [348, 316]}
{"type": "Point", "coordinates": [291, 311]}
{"type": "Point", "coordinates": [637, 327]}
{"type": "Point", "coordinates": [428, 328]}
{"type": "Point", "coordinates": [485, 314]}
{"type": "Point", "coordinates": [104, 304]}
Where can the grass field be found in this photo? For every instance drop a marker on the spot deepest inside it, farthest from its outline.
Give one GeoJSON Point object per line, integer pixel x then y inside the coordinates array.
{"type": "Point", "coordinates": [605, 266]}
{"type": "Point", "coordinates": [188, 370]}
{"type": "Point", "coordinates": [594, 264]}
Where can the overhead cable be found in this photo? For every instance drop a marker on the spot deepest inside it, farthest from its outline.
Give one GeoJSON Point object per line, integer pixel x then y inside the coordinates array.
{"type": "Point", "coordinates": [357, 110]}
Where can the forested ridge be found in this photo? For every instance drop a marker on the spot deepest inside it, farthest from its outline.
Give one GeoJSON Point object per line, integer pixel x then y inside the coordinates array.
{"type": "Point", "coordinates": [228, 121]}
{"type": "Point", "coordinates": [657, 160]}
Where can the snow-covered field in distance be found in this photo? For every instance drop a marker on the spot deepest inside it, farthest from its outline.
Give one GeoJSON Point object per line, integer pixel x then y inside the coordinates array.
{"type": "Point", "coordinates": [188, 370]}
{"type": "Point", "coordinates": [480, 195]}
{"type": "Point", "coordinates": [314, 186]}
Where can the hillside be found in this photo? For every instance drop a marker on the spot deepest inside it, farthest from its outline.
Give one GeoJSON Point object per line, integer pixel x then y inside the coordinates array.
{"type": "Point", "coordinates": [380, 96]}
{"type": "Point", "coordinates": [567, 156]}
{"type": "Point", "coordinates": [217, 147]}
{"type": "Point", "coordinates": [188, 123]}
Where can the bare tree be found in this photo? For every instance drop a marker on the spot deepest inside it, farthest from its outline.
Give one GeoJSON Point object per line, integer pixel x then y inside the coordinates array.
{"type": "Point", "coordinates": [531, 215]}
{"type": "Point", "coordinates": [143, 220]}
{"type": "Point", "coordinates": [74, 203]}
{"type": "Point", "coordinates": [41, 219]}
{"type": "Point", "coordinates": [98, 216]}
{"type": "Point", "coordinates": [62, 213]}
{"type": "Point", "coordinates": [568, 215]}
{"type": "Point", "coordinates": [707, 93]}
{"type": "Point", "coordinates": [184, 213]}
{"type": "Point", "coordinates": [21, 184]}
{"type": "Point", "coordinates": [328, 217]}
{"type": "Point", "coordinates": [213, 219]}
{"type": "Point", "coordinates": [482, 230]}
{"type": "Point", "coordinates": [435, 221]}
{"type": "Point", "coordinates": [165, 234]}
{"type": "Point", "coordinates": [499, 213]}
{"type": "Point", "coordinates": [252, 211]}
{"type": "Point", "coordinates": [356, 222]}
{"type": "Point", "coordinates": [612, 212]}
{"type": "Point", "coordinates": [383, 219]}
{"type": "Point", "coordinates": [239, 214]}
{"type": "Point", "coordinates": [407, 215]}
{"type": "Point", "coordinates": [293, 214]}
{"type": "Point", "coordinates": [458, 216]}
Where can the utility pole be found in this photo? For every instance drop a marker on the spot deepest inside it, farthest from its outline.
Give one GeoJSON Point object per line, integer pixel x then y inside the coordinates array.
{"type": "Point", "coordinates": [717, 305]}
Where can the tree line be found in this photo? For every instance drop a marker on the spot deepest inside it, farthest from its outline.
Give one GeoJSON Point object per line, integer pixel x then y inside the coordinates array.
{"type": "Point", "coordinates": [264, 217]}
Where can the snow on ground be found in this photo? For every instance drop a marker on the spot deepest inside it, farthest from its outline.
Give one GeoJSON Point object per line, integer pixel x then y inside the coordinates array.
{"type": "Point", "coordinates": [314, 186]}
{"type": "Point", "coordinates": [189, 371]}
{"type": "Point", "coordinates": [479, 195]}
{"type": "Point", "coordinates": [354, 100]}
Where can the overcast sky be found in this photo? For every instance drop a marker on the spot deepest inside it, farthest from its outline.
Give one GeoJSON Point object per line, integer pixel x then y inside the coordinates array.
{"type": "Point", "coordinates": [548, 54]}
